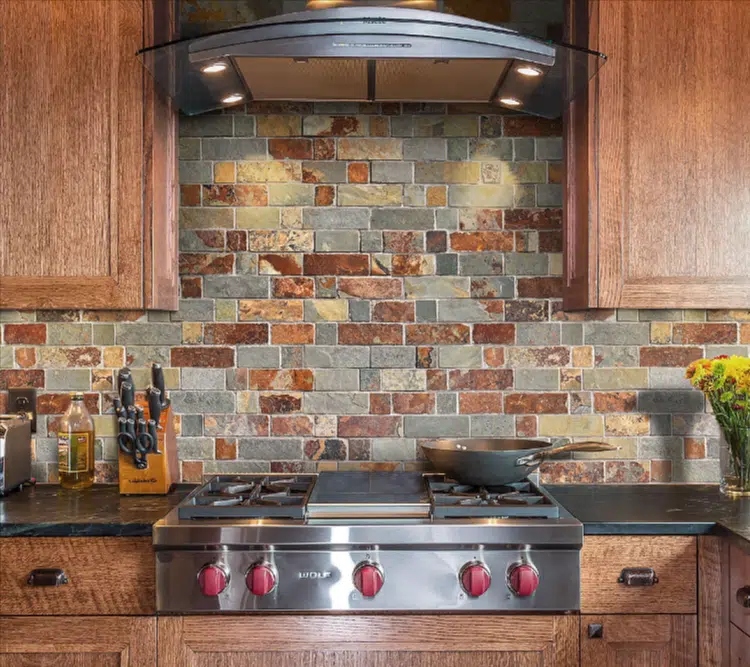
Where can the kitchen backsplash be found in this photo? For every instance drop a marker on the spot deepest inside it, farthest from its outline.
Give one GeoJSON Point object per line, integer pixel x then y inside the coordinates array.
{"type": "Point", "coordinates": [359, 278]}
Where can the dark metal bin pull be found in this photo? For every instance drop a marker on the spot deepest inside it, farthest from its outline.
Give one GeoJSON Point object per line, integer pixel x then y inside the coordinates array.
{"type": "Point", "coordinates": [743, 597]}
{"type": "Point", "coordinates": [638, 576]}
{"type": "Point", "coordinates": [47, 576]}
{"type": "Point", "coordinates": [596, 630]}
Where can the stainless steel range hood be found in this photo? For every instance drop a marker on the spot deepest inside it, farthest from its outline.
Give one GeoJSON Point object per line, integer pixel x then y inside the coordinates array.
{"type": "Point", "coordinates": [378, 54]}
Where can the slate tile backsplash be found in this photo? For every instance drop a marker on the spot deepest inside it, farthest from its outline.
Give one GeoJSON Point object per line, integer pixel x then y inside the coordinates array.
{"type": "Point", "coordinates": [357, 278]}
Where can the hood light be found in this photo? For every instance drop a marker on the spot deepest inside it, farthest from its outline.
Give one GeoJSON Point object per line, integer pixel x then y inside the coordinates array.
{"type": "Point", "coordinates": [214, 68]}
{"type": "Point", "coordinates": [528, 70]}
{"type": "Point", "coordinates": [231, 99]}
{"type": "Point", "coordinates": [510, 101]}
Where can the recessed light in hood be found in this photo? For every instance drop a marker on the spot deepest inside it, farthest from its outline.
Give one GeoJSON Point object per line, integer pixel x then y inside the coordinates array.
{"type": "Point", "coordinates": [371, 54]}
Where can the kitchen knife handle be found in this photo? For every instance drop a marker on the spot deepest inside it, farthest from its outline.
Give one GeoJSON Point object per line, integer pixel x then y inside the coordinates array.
{"type": "Point", "coordinates": [139, 416]}
{"type": "Point", "coordinates": [154, 435]}
{"type": "Point", "coordinates": [157, 381]}
{"type": "Point", "coordinates": [123, 375]}
{"type": "Point", "coordinates": [127, 394]}
{"type": "Point", "coordinates": [154, 404]}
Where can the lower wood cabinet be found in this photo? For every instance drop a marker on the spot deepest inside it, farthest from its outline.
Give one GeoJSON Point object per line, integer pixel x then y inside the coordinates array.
{"type": "Point", "coordinates": [620, 640]}
{"type": "Point", "coordinates": [739, 647]}
{"type": "Point", "coordinates": [77, 641]}
{"type": "Point", "coordinates": [368, 641]}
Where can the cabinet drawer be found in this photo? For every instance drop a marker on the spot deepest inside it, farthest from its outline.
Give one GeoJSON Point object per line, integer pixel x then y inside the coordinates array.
{"type": "Point", "coordinates": [739, 584]}
{"type": "Point", "coordinates": [739, 647]}
{"type": "Point", "coordinates": [673, 560]}
{"type": "Point", "coordinates": [105, 575]}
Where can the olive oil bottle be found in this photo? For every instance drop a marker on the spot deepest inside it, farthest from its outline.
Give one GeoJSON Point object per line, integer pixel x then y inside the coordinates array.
{"type": "Point", "coordinates": [75, 445]}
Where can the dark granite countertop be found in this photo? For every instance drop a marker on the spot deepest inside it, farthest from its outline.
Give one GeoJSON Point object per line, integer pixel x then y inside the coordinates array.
{"type": "Point", "coordinates": [51, 511]}
{"type": "Point", "coordinates": [653, 509]}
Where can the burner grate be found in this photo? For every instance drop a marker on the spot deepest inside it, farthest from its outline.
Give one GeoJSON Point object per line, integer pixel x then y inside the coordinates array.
{"type": "Point", "coordinates": [518, 500]}
{"type": "Point", "coordinates": [249, 497]}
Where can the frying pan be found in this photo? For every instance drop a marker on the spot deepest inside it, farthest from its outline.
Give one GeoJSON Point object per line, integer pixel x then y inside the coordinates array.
{"type": "Point", "coordinates": [494, 462]}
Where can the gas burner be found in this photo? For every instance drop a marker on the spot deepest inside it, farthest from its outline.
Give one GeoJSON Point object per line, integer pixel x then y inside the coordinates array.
{"type": "Point", "coordinates": [249, 497]}
{"type": "Point", "coordinates": [520, 499]}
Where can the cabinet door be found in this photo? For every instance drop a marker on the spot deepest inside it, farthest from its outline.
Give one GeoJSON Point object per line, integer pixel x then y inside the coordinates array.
{"type": "Point", "coordinates": [368, 641]}
{"type": "Point", "coordinates": [78, 641]}
{"type": "Point", "coordinates": [79, 159]}
{"type": "Point", "coordinates": [646, 641]}
{"type": "Point", "coordinates": [739, 647]}
{"type": "Point", "coordinates": [659, 206]}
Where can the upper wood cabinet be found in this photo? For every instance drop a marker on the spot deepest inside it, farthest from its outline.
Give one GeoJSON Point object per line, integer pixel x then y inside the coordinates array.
{"type": "Point", "coordinates": [658, 157]}
{"type": "Point", "coordinates": [88, 170]}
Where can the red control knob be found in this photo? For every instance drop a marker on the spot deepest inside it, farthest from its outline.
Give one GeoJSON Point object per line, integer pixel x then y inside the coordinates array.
{"type": "Point", "coordinates": [523, 580]}
{"type": "Point", "coordinates": [476, 580]}
{"type": "Point", "coordinates": [260, 579]}
{"type": "Point", "coordinates": [212, 580]}
{"type": "Point", "coordinates": [368, 579]}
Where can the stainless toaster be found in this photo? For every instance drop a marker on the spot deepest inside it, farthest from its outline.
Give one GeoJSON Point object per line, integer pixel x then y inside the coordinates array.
{"type": "Point", "coordinates": [15, 452]}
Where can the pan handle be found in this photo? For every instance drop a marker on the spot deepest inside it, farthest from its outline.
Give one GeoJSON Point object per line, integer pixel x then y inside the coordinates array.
{"type": "Point", "coordinates": [588, 446]}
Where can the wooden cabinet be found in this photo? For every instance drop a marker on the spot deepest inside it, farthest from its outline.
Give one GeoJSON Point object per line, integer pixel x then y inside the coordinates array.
{"type": "Point", "coordinates": [369, 641]}
{"type": "Point", "coordinates": [739, 648]}
{"type": "Point", "coordinates": [77, 641]}
{"type": "Point", "coordinates": [611, 641]}
{"type": "Point", "coordinates": [739, 584]}
{"type": "Point", "coordinates": [88, 173]}
{"type": "Point", "coordinates": [658, 157]}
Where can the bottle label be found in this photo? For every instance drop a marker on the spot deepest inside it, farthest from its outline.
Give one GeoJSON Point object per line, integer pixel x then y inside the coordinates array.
{"type": "Point", "coordinates": [73, 452]}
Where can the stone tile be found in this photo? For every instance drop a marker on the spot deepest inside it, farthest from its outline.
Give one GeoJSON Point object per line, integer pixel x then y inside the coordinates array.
{"type": "Point", "coordinates": [460, 356]}
{"type": "Point", "coordinates": [670, 401]}
{"type": "Point", "coordinates": [537, 379]}
{"type": "Point", "coordinates": [236, 287]}
{"type": "Point", "coordinates": [192, 402]}
{"type": "Point", "coordinates": [68, 379]}
{"type": "Point", "coordinates": [191, 310]}
{"type": "Point", "coordinates": [203, 378]}
{"type": "Point", "coordinates": [480, 263]}
{"type": "Point", "coordinates": [426, 311]}
{"type": "Point", "coordinates": [143, 333]}
{"type": "Point", "coordinates": [341, 356]}
{"type": "Point", "coordinates": [436, 426]}
{"type": "Point", "coordinates": [571, 426]}
{"type": "Point", "coordinates": [615, 333]}
{"type": "Point", "coordinates": [537, 333]}
{"type": "Point", "coordinates": [411, 219]}
{"type": "Point", "coordinates": [436, 288]}
{"type": "Point", "coordinates": [336, 403]}
{"type": "Point", "coordinates": [67, 334]}
{"type": "Point", "coordinates": [488, 426]}
{"type": "Point", "coordinates": [342, 240]}
{"type": "Point", "coordinates": [469, 310]}
{"type": "Point", "coordinates": [263, 449]}
{"type": "Point", "coordinates": [480, 195]}
{"type": "Point", "coordinates": [393, 449]}
{"type": "Point", "coordinates": [337, 380]}
{"type": "Point", "coordinates": [234, 149]}
{"type": "Point", "coordinates": [525, 264]}
{"type": "Point", "coordinates": [403, 380]}
{"type": "Point", "coordinates": [615, 378]}
{"type": "Point", "coordinates": [667, 378]}
{"type": "Point", "coordinates": [392, 172]}
{"type": "Point", "coordinates": [333, 218]}
{"type": "Point", "coordinates": [425, 149]}
{"type": "Point", "coordinates": [260, 356]}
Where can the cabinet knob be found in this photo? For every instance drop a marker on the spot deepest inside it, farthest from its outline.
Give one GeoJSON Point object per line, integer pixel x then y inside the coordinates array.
{"type": "Point", "coordinates": [743, 597]}
{"type": "Point", "coordinates": [638, 576]}
{"type": "Point", "coordinates": [596, 631]}
{"type": "Point", "coordinates": [47, 576]}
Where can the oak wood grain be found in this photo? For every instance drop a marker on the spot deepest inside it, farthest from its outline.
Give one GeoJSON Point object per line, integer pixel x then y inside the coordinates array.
{"type": "Point", "coordinates": [643, 641]}
{"type": "Point", "coordinates": [713, 608]}
{"type": "Point", "coordinates": [673, 558]}
{"type": "Point", "coordinates": [739, 648]}
{"type": "Point", "coordinates": [739, 577]}
{"type": "Point", "coordinates": [107, 576]}
{"type": "Point", "coordinates": [667, 158]}
{"type": "Point", "coordinates": [77, 642]}
{"type": "Point", "coordinates": [70, 134]}
{"type": "Point", "coordinates": [368, 641]}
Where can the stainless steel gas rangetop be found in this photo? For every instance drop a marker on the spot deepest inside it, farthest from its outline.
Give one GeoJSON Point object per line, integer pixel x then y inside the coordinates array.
{"type": "Point", "coordinates": [359, 541]}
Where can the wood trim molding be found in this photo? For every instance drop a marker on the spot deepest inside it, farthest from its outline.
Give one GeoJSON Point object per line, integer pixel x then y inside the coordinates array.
{"type": "Point", "coordinates": [713, 606]}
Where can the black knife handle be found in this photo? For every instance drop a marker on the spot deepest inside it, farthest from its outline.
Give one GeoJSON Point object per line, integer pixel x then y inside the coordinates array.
{"type": "Point", "coordinates": [154, 404]}
{"type": "Point", "coordinates": [116, 404]}
{"type": "Point", "coordinates": [154, 435]}
{"type": "Point", "coordinates": [127, 394]}
{"type": "Point", "coordinates": [130, 426]}
{"type": "Point", "coordinates": [123, 375]}
{"type": "Point", "coordinates": [139, 416]}
{"type": "Point", "coordinates": [157, 381]}
{"type": "Point", "coordinates": [131, 413]}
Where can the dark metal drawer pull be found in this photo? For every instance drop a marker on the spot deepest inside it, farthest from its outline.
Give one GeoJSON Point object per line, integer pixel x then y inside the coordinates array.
{"type": "Point", "coordinates": [47, 576]}
{"type": "Point", "coordinates": [743, 597]}
{"type": "Point", "coordinates": [596, 630]}
{"type": "Point", "coordinates": [638, 576]}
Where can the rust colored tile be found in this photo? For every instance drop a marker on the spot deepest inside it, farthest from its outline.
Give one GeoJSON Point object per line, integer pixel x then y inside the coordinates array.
{"type": "Point", "coordinates": [494, 356]}
{"type": "Point", "coordinates": [393, 311]}
{"type": "Point", "coordinates": [202, 357]}
{"type": "Point", "coordinates": [293, 287]}
{"type": "Point", "coordinates": [294, 379]}
{"type": "Point", "coordinates": [533, 218]}
{"type": "Point", "coordinates": [324, 149]}
{"type": "Point", "coordinates": [333, 264]}
{"type": "Point", "coordinates": [283, 264]}
{"type": "Point", "coordinates": [531, 126]}
{"type": "Point", "coordinates": [540, 288]}
{"type": "Point", "coordinates": [482, 241]}
{"type": "Point", "coordinates": [526, 426]}
{"type": "Point", "coordinates": [627, 472]}
{"type": "Point", "coordinates": [191, 287]}
{"type": "Point", "coordinates": [518, 310]}
{"type": "Point", "coordinates": [226, 449]}
{"type": "Point", "coordinates": [479, 403]}
{"type": "Point", "coordinates": [25, 334]}
{"type": "Point", "coordinates": [296, 425]}
{"type": "Point", "coordinates": [57, 404]}
{"type": "Point", "coordinates": [369, 427]}
{"type": "Point", "coordinates": [572, 472]}
{"type": "Point", "coordinates": [478, 219]}
{"type": "Point", "coordinates": [280, 403]}
{"type": "Point", "coordinates": [437, 241]}
{"type": "Point", "coordinates": [262, 310]}
{"type": "Point", "coordinates": [501, 334]}
{"type": "Point", "coordinates": [380, 404]}
{"type": "Point", "coordinates": [379, 126]}
{"type": "Point", "coordinates": [371, 288]}
{"type": "Point", "coordinates": [550, 241]}
{"type": "Point", "coordinates": [25, 357]}
{"type": "Point", "coordinates": [206, 263]}
{"type": "Point", "coordinates": [403, 242]}
{"type": "Point", "coordinates": [669, 356]}
{"type": "Point", "coordinates": [413, 404]}
{"type": "Point", "coordinates": [437, 380]}
{"type": "Point", "coordinates": [695, 448]}
{"type": "Point", "coordinates": [615, 401]}
{"type": "Point", "coordinates": [412, 265]}
{"type": "Point", "coordinates": [661, 471]}
{"type": "Point", "coordinates": [358, 172]}
{"type": "Point", "coordinates": [237, 240]}
{"type": "Point", "coordinates": [235, 195]}
{"type": "Point", "coordinates": [481, 378]}
{"type": "Point", "coordinates": [292, 334]}
{"type": "Point", "coordinates": [112, 315]}
{"type": "Point", "coordinates": [370, 334]}
{"type": "Point", "coordinates": [224, 333]}
{"type": "Point", "coordinates": [190, 195]}
{"type": "Point", "coordinates": [325, 449]}
{"type": "Point", "coordinates": [325, 195]}
{"type": "Point", "coordinates": [437, 195]}
{"type": "Point", "coordinates": [540, 404]}
{"type": "Point", "coordinates": [192, 471]}
{"type": "Point", "coordinates": [292, 149]}
{"type": "Point", "coordinates": [437, 334]}
{"type": "Point", "coordinates": [698, 333]}
{"type": "Point", "coordinates": [426, 357]}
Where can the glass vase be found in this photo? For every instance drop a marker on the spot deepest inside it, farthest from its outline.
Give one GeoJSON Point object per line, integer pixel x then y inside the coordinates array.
{"type": "Point", "coordinates": [735, 462]}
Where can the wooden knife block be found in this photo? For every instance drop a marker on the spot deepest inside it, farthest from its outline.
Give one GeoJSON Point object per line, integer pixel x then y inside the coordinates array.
{"type": "Point", "coordinates": [161, 471]}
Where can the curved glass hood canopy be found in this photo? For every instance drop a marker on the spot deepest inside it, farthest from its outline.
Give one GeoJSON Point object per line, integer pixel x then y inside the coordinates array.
{"type": "Point", "coordinates": [375, 54]}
